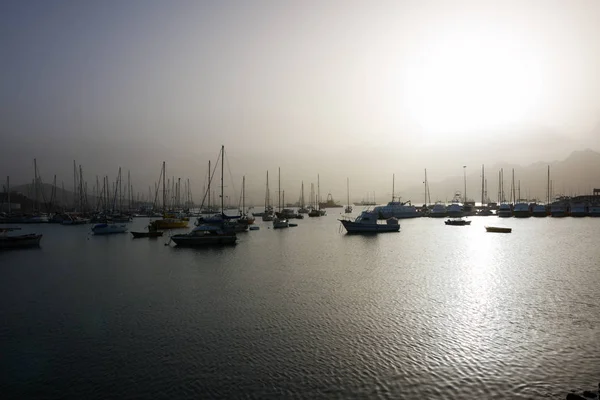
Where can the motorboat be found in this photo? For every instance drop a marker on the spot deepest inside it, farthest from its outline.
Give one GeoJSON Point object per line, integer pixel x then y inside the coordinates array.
{"type": "Point", "coordinates": [504, 210]}
{"type": "Point", "coordinates": [457, 222]}
{"type": "Point", "coordinates": [205, 235]}
{"type": "Point", "coordinates": [498, 229]}
{"type": "Point", "coordinates": [107, 229]}
{"type": "Point", "coordinates": [18, 241]}
{"type": "Point", "coordinates": [522, 210]}
{"type": "Point", "coordinates": [438, 211]}
{"type": "Point", "coordinates": [367, 222]}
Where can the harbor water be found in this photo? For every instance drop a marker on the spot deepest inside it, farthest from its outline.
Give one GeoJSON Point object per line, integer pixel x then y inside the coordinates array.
{"type": "Point", "coordinates": [433, 311]}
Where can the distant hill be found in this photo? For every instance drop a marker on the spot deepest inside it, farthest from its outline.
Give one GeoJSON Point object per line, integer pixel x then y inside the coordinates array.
{"type": "Point", "coordinates": [575, 175]}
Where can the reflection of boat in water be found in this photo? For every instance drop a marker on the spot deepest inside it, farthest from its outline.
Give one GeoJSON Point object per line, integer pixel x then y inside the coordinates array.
{"type": "Point", "coordinates": [367, 222]}
{"type": "Point", "coordinates": [498, 229]}
{"type": "Point", "coordinates": [19, 241]}
{"type": "Point", "coordinates": [457, 222]}
{"type": "Point", "coordinates": [107, 229]}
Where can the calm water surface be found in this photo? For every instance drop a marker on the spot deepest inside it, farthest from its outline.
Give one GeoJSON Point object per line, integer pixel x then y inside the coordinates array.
{"type": "Point", "coordinates": [433, 311]}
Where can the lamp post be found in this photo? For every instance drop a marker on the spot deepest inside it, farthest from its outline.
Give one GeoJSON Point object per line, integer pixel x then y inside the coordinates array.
{"type": "Point", "coordinates": [465, 179]}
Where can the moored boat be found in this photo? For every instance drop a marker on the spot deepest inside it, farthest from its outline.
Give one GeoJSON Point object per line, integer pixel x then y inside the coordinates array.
{"type": "Point", "coordinates": [594, 210]}
{"type": "Point", "coordinates": [438, 211]}
{"type": "Point", "coordinates": [107, 229]}
{"type": "Point", "coordinates": [522, 210]}
{"type": "Point", "coordinates": [205, 235]}
{"type": "Point", "coordinates": [504, 210]}
{"type": "Point", "coordinates": [18, 241]}
{"type": "Point", "coordinates": [578, 210]}
{"type": "Point", "coordinates": [498, 229]}
{"type": "Point", "coordinates": [558, 210]}
{"type": "Point", "coordinates": [539, 211]}
{"type": "Point", "coordinates": [148, 234]}
{"type": "Point", "coordinates": [457, 222]}
{"type": "Point", "coordinates": [367, 222]}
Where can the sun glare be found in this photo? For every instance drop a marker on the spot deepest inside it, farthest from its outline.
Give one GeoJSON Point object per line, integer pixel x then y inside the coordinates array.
{"type": "Point", "coordinates": [470, 81]}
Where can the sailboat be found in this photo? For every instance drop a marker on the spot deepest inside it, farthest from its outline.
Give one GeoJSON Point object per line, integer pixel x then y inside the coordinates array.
{"type": "Point", "coordinates": [302, 209]}
{"type": "Point", "coordinates": [207, 234]}
{"type": "Point", "coordinates": [168, 221]}
{"type": "Point", "coordinates": [348, 209]}
{"type": "Point", "coordinates": [268, 214]}
{"type": "Point", "coordinates": [245, 219]}
{"type": "Point", "coordinates": [280, 222]}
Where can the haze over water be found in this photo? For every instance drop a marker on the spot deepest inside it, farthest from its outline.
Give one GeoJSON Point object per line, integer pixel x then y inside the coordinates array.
{"type": "Point", "coordinates": [433, 311]}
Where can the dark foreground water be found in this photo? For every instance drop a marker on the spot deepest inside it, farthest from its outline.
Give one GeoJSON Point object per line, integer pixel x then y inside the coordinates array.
{"type": "Point", "coordinates": [434, 311]}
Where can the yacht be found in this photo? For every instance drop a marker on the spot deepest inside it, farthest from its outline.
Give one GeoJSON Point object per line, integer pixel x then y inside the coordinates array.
{"type": "Point", "coordinates": [539, 210]}
{"type": "Point", "coordinates": [366, 222]}
{"type": "Point", "coordinates": [578, 210]}
{"type": "Point", "coordinates": [438, 211]}
{"type": "Point", "coordinates": [522, 210]}
{"type": "Point", "coordinates": [504, 211]}
{"type": "Point", "coordinates": [397, 209]}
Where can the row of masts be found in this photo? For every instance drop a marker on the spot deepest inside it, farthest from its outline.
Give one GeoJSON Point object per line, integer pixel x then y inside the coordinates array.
{"type": "Point", "coordinates": [515, 191]}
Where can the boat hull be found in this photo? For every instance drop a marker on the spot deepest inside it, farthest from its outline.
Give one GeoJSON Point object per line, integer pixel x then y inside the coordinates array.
{"type": "Point", "coordinates": [354, 227]}
{"type": "Point", "coordinates": [169, 224]}
{"type": "Point", "coordinates": [20, 242]}
{"type": "Point", "coordinates": [103, 229]}
{"type": "Point", "coordinates": [202, 241]}
{"type": "Point", "coordinates": [497, 229]}
{"type": "Point", "coordinates": [150, 234]}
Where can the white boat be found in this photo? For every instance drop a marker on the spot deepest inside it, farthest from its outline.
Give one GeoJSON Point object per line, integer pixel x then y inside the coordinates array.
{"type": "Point", "coordinates": [438, 211]}
{"type": "Point", "coordinates": [107, 229]}
{"type": "Point", "coordinates": [522, 210]}
{"type": "Point", "coordinates": [539, 211]}
{"type": "Point", "coordinates": [504, 211]}
{"type": "Point", "coordinates": [367, 222]}
{"type": "Point", "coordinates": [578, 210]}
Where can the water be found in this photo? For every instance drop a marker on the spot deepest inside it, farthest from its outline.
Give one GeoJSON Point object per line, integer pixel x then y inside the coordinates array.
{"type": "Point", "coordinates": [433, 311]}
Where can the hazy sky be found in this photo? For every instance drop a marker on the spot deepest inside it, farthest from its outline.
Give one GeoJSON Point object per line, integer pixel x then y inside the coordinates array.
{"type": "Point", "coordinates": [362, 89]}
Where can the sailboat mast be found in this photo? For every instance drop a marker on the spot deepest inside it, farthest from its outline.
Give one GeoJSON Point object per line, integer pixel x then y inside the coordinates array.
{"type": "Point", "coordinates": [164, 189]}
{"type": "Point", "coordinates": [222, 166]}
{"type": "Point", "coordinates": [348, 189]}
{"type": "Point", "coordinates": [393, 186]}
{"type": "Point", "coordinates": [302, 205]}
{"type": "Point", "coordinates": [318, 192]}
{"type": "Point", "coordinates": [8, 192]}
{"type": "Point", "coordinates": [35, 191]}
{"type": "Point", "coordinates": [279, 189]}
{"type": "Point", "coordinates": [209, 179]}
{"type": "Point", "coordinates": [74, 186]}
{"type": "Point", "coordinates": [482, 184]}
{"type": "Point", "coordinates": [548, 187]}
{"type": "Point", "coordinates": [244, 194]}
{"type": "Point", "coordinates": [425, 183]}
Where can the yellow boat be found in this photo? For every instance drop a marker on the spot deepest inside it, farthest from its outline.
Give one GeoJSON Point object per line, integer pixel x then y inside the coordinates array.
{"type": "Point", "coordinates": [168, 223]}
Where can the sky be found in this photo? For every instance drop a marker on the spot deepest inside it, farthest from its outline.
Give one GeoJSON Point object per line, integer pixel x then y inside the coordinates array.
{"type": "Point", "coordinates": [338, 88]}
